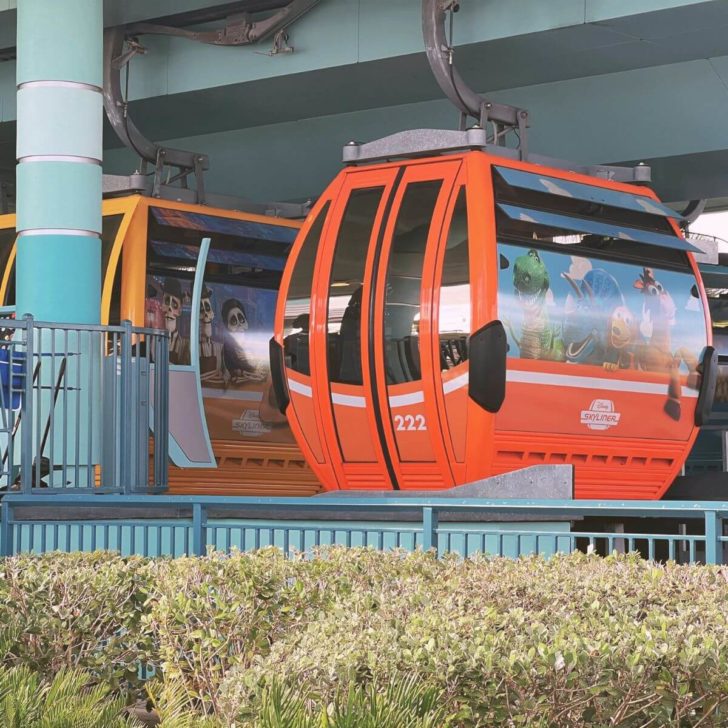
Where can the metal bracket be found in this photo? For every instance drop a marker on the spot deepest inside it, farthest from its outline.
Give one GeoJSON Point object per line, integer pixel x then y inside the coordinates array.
{"type": "Point", "coordinates": [423, 142]}
{"type": "Point", "coordinates": [116, 106]}
{"type": "Point", "coordinates": [498, 119]}
{"type": "Point", "coordinates": [693, 210]}
{"type": "Point", "coordinates": [239, 29]}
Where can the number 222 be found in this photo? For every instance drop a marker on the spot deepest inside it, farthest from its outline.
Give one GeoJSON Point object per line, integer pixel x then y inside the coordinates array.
{"type": "Point", "coordinates": [410, 423]}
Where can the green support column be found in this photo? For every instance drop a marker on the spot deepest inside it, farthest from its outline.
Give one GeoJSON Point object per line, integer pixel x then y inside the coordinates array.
{"type": "Point", "coordinates": [59, 150]}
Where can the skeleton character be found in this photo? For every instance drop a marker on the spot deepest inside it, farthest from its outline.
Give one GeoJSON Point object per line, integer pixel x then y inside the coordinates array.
{"type": "Point", "coordinates": [153, 313]}
{"type": "Point", "coordinates": [179, 347]}
{"type": "Point", "coordinates": [234, 357]}
{"type": "Point", "coordinates": [210, 350]}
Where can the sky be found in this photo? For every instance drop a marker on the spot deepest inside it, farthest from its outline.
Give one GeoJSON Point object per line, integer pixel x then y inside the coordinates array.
{"type": "Point", "coordinates": [712, 223]}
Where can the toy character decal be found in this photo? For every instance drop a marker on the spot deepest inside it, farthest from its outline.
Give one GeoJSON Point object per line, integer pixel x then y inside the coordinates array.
{"type": "Point", "coordinates": [621, 338]}
{"type": "Point", "coordinates": [587, 316]}
{"type": "Point", "coordinates": [608, 314]}
{"type": "Point", "coordinates": [539, 338]}
{"type": "Point", "coordinates": [656, 353]}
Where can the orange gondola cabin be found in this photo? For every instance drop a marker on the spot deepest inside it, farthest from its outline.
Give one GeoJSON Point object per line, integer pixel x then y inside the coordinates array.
{"type": "Point", "coordinates": [447, 318]}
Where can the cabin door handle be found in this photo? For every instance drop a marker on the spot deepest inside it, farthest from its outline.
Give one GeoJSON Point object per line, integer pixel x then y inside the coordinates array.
{"type": "Point", "coordinates": [278, 375]}
{"type": "Point", "coordinates": [487, 356]}
{"type": "Point", "coordinates": [709, 379]}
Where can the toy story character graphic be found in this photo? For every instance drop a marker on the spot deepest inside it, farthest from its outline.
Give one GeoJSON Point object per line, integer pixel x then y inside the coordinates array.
{"type": "Point", "coordinates": [179, 347]}
{"type": "Point", "coordinates": [656, 354]}
{"type": "Point", "coordinates": [621, 339]}
{"type": "Point", "coordinates": [540, 339]}
{"type": "Point", "coordinates": [210, 350]}
{"type": "Point", "coordinates": [588, 312]}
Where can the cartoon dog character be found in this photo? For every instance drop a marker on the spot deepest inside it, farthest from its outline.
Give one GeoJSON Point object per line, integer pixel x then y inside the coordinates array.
{"type": "Point", "coordinates": [621, 338]}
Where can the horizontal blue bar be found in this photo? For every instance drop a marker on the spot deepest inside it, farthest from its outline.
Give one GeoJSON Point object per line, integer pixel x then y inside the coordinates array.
{"type": "Point", "coordinates": [588, 193]}
{"type": "Point", "coordinates": [689, 509]}
{"type": "Point", "coordinates": [595, 227]}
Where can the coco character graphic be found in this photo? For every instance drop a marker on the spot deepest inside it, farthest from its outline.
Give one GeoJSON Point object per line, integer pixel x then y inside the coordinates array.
{"type": "Point", "coordinates": [540, 339]}
{"type": "Point", "coordinates": [153, 313]}
{"type": "Point", "coordinates": [235, 360]}
{"type": "Point", "coordinates": [210, 350]}
{"type": "Point", "coordinates": [179, 347]}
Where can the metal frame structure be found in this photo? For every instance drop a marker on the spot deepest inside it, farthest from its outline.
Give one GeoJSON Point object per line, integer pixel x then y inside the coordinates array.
{"type": "Point", "coordinates": [239, 30]}
{"type": "Point", "coordinates": [493, 121]}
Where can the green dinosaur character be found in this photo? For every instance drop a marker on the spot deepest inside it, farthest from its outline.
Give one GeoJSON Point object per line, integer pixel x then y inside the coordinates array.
{"type": "Point", "coordinates": [539, 338]}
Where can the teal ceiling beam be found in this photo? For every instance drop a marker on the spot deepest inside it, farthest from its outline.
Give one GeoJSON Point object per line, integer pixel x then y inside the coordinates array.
{"type": "Point", "coordinates": [59, 152]}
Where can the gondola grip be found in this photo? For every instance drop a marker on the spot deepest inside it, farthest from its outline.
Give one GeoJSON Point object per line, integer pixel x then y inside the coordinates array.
{"type": "Point", "coordinates": [487, 355]}
{"type": "Point", "coordinates": [706, 393]}
{"type": "Point", "coordinates": [278, 375]}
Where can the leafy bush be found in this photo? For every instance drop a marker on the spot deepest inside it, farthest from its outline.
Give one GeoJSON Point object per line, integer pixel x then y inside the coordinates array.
{"type": "Point", "coordinates": [75, 610]}
{"type": "Point", "coordinates": [257, 639]}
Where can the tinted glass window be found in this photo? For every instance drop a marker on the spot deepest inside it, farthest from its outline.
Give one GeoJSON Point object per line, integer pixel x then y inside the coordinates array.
{"type": "Point", "coordinates": [298, 303]}
{"type": "Point", "coordinates": [454, 322]}
{"type": "Point", "coordinates": [572, 307]}
{"type": "Point", "coordinates": [244, 268]}
{"type": "Point", "coordinates": [7, 238]}
{"type": "Point", "coordinates": [109, 228]}
{"type": "Point", "coordinates": [347, 284]}
{"type": "Point", "coordinates": [404, 280]}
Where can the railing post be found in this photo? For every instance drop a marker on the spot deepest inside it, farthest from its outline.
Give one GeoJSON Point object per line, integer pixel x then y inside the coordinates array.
{"type": "Point", "coordinates": [125, 418]}
{"type": "Point", "coordinates": [158, 354]}
{"type": "Point", "coordinates": [6, 534]}
{"type": "Point", "coordinates": [430, 524]}
{"type": "Point", "coordinates": [199, 521]}
{"type": "Point", "coordinates": [713, 532]}
{"type": "Point", "coordinates": [26, 412]}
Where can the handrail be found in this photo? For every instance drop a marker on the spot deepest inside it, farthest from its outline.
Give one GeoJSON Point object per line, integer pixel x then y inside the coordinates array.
{"type": "Point", "coordinates": [379, 503]}
{"type": "Point", "coordinates": [192, 514]}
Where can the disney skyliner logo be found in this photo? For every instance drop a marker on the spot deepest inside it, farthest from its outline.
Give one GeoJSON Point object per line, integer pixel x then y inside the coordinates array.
{"type": "Point", "coordinates": [600, 415]}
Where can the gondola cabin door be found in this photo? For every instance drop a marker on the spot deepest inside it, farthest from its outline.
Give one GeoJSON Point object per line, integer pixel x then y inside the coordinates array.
{"type": "Point", "coordinates": [405, 337]}
{"type": "Point", "coordinates": [364, 355]}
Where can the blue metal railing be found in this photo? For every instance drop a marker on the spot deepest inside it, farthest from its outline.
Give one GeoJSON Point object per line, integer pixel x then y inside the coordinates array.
{"type": "Point", "coordinates": [188, 525]}
{"type": "Point", "coordinates": [76, 406]}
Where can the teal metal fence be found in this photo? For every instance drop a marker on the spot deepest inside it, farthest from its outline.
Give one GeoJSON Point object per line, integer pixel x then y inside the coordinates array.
{"type": "Point", "coordinates": [83, 408]}
{"type": "Point", "coordinates": [189, 525]}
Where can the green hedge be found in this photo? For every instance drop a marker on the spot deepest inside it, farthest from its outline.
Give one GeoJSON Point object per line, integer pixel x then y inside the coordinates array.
{"type": "Point", "coordinates": [250, 639]}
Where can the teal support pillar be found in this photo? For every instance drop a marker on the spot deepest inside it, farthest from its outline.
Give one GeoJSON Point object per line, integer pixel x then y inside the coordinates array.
{"type": "Point", "coordinates": [59, 151]}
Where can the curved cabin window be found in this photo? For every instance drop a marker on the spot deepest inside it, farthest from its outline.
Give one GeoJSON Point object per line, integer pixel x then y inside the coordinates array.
{"type": "Point", "coordinates": [298, 302]}
{"type": "Point", "coordinates": [109, 230]}
{"type": "Point", "coordinates": [404, 282]}
{"type": "Point", "coordinates": [346, 286]}
{"type": "Point", "coordinates": [593, 276]}
{"type": "Point", "coordinates": [241, 281]}
{"type": "Point", "coordinates": [238, 299]}
{"type": "Point", "coordinates": [7, 240]}
{"type": "Point", "coordinates": [454, 315]}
